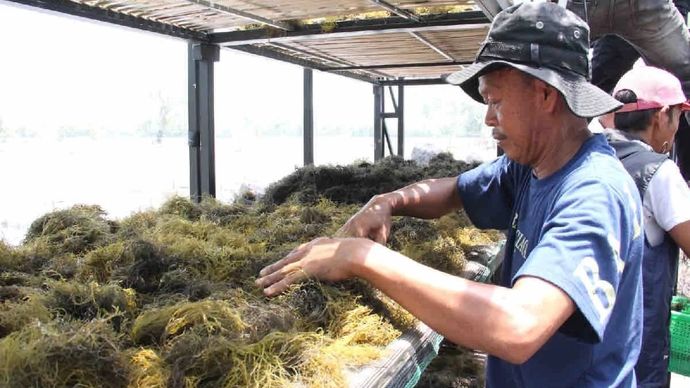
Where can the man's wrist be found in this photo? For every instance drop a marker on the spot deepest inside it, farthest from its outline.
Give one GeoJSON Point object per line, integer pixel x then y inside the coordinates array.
{"type": "Point", "coordinates": [387, 202]}
{"type": "Point", "coordinates": [363, 253]}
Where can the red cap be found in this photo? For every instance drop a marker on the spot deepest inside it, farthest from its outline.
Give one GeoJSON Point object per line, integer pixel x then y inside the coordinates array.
{"type": "Point", "coordinates": [654, 87]}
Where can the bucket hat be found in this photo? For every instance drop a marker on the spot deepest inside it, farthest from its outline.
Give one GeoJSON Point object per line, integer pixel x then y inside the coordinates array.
{"type": "Point", "coordinates": [545, 41]}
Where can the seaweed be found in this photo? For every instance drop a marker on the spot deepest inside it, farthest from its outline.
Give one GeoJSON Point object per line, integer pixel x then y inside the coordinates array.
{"type": "Point", "coordinates": [166, 297]}
{"type": "Point", "coordinates": [89, 301]}
{"type": "Point", "coordinates": [148, 369]}
{"type": "Point", "coordinates": [159, 325]}
{"type": "Point", "coordinates": [358, 182]}
{"type": "Point", "coordinates": [74, 230]}
{"type": "Point", "coordinates": [17, 312]}
{"type": "Point", "coordinates": [146, 266]}
{"type": "Point", "coordinates": [454, 367]}
{"type": "Point", "coordinates": [63, 355]}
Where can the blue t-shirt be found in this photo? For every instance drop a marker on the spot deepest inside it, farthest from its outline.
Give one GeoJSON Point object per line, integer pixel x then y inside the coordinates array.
{"type": "Point", "coordinates": [581, 230]}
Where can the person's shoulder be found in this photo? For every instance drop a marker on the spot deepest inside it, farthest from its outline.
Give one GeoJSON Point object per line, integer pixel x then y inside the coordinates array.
{"type": "Point", "coordinates": [667, 182]}
{"type": "Point", "coordinates": [503, 164]}
{"type": "Point", "coordinates": [599, 170]}
{"type": "Point", "coordinates": [668, 173]}
{"type": "Point", "coordinates": [599, 160]}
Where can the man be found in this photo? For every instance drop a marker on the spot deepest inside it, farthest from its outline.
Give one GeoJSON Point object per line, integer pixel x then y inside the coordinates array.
{"type": "Point", "coordinates": [568, 313]}
{"type": "Point", "coordinates": [646, 127]}
{"type": "Point", "coordinates": [655, 28]}
{"type": "Point", "coordinates": [613, 56]}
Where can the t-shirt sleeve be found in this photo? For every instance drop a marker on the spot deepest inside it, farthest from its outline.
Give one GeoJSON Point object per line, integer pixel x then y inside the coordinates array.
{"type": "Point", "coordinates": [668, 196]}
{"type": "Point", "coordinates": [488, 193]}
{"type": "Point", "coordinates": [580, 252]}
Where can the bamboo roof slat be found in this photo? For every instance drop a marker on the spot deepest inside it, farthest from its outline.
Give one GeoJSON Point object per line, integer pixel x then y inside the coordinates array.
{"type": "Point", "coordinates": [421, 72]}
{"type": "Point", "coordinates": [270, 9]}
{"type": "Point", "coordinates": [307, 9]}
{"type": "Point", "coordinates": [436, 34]}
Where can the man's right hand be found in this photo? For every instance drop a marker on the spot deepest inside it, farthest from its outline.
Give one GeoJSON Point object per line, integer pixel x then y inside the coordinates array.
{"type": "Point", "coordinates": [431, 198]}
{"type": "Point", "coordinates": [372, 221]}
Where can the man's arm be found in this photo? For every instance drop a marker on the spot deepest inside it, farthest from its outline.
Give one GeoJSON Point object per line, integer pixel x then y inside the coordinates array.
{"type": "Point", "coordinates": [668, 196]}
{"type": "Point", "coordinates": [681, 235]}
{"type": "Point", "coordinates": [510, 323]}
{"type": "Point", "coordinates": [431, 198]}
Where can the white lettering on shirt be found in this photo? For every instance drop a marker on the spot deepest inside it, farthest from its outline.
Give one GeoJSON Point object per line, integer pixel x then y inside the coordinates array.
{"type": "Point", "coordinates": [521, 242]}
{"type": "Point", "coordinates": [616, 249]}
{"type": "Point", "coordinates": [588, 273]}
{"type": "Point", "coordinates": [637, 216]}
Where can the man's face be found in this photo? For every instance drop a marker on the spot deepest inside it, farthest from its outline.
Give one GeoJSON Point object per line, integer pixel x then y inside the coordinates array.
{"type": "Point", "coordinates": [508, 95]}
{"type": "Point", "coordinates": [673, 122]}
{"type": "Point", "coordinates": [669, 119]}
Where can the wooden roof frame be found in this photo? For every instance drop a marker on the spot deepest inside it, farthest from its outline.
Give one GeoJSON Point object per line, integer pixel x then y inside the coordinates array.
{"type": "Point", "coordinates": [247, 40]}
{"type": "Point", "coordinates": [286, 41]}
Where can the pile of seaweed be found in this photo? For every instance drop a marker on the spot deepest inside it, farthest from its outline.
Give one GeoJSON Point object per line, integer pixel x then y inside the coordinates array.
{"type": "Point", "coordinates": [454, 367]}
{"type": "Point", "coordinates": [166, 297]}
{"type": "Point", "coordinates": [357, 183]}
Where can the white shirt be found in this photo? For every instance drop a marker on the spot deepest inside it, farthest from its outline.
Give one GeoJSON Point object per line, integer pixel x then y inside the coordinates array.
{"type": "Point", "coordinates": [666, 202]}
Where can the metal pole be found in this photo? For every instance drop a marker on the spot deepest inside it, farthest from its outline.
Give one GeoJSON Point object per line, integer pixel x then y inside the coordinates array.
{"type": "Point", "coordinates": [308, 117]}
{"type": "Point", "coordinates": [388, 138]}
{"type": "Point", "coordinates": [201, 120]}
{"type": "Point", "coordinates": [378, 130]}
{"type": "Point", "coordinates": [401, 121]}
{"type": "Point", "coordinates": [193, 136]}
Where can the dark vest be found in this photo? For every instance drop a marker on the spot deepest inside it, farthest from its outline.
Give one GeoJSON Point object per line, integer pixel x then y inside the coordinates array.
{"type": "Point", "coordinates": [659, 269]}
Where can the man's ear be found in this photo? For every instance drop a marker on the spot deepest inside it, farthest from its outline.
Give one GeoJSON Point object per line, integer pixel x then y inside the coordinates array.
{"type": "Point", "coordinates": [666, 110]}
{"type": "Point", "coordinates": [662, 114]}
{"type": "Point", "coordinates": [549, 96]}
{"type": "Point", "coordinates": [655, 122]}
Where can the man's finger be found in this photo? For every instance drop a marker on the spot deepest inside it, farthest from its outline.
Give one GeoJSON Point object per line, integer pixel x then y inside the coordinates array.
{"type": "Point", "coordinates": [292, 275]}
{"type": "Point", "coordinates": [275, 276]}
{"type": "Point", "coordinates": [341, 232]}
{"type": "Point", "coordinates": [291, 257]}
{"type": "Point", "coordinates": [347, 230]}
{"type": "Point", "coordinates": [380, 236]}
{"type": "Point", "coordinates": [279, 269]}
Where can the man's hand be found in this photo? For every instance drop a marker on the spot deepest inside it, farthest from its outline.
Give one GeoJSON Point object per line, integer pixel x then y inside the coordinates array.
{"type": "Point", "coordinates": [372, 221]}
{"type": "Point", "coordinates": [323, 258]}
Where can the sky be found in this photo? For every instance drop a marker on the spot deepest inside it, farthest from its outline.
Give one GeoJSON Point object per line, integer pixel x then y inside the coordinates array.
{"type": "Point", "coordinates": [65, 69]}
{"type": "Point", "coordinates": [58, 70]}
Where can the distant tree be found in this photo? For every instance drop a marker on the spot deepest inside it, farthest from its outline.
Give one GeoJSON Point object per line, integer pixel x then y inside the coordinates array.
{"type": "Point", "coordinates": [3, 131]}
{"type": "Point", "coordinates": [65, 132]}
{"type": "Point", "coordinates": [164, 124]}
{"type": "Point", "coordinates": [24, 132]}
{"type": "Point", "coordinates": [163, 116]}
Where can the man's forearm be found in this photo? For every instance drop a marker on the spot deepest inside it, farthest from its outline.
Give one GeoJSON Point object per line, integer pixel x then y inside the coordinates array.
{"type": "Point", "coordinates": [431, 198]}
{"type": "Point", "coordinates": [681, 235]}
{"type": "Point", "coordinates": [509, 323]}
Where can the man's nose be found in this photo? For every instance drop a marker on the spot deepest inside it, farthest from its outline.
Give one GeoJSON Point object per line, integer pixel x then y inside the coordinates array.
{"type": "Point", "coordinates": [490, 117]}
